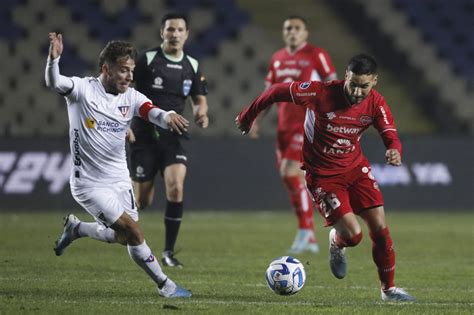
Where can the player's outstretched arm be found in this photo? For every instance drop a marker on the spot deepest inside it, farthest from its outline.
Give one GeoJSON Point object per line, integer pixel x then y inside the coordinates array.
{"type": "Point", "coordinates": [53, 78]}
{"type": "Point", "coordinates": [276, 93]}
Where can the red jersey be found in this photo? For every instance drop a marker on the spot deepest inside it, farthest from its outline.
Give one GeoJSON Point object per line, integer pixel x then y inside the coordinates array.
{"type": "Point", "coordinates": [308, 63]}
{"type": "Point", "coordinates": [333, 127]}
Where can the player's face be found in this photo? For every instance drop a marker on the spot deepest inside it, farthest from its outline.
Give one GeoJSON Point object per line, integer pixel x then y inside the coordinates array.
{"type": "Point", "coordinates": [294, 33]}
{"type": "Point", "coordinates": [174, 35]}
{"type": "Point", "coordinates": [118, 76]}
{"type": "Point", "coordinates": [357, 87]}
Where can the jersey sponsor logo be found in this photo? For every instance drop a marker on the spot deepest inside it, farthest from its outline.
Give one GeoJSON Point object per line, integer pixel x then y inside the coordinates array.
{"type": "Point", "coordinates": [90, 122]}
{"type": "Point", "coordinates": [157, 83]}
{"type": "Point", "coordinates": [343, 129]}
{"type": "Point", "coordinates": [173, 66]}
{"type": "Point", "coordinates": [187, 87]}
{"type": "Point", "coordinates": [305, 85]}
{"type": "Point", "coordinates": [306, 94]}
{"type": "Point", "coordinates": [109, 126]}
{"type": "Point", "coordinates": [341, 146]}
{"type": "Point", "coordinates": [365, 120]}
{"type": "Point", "coordinates": [331, 115]}
{"type": "Point", "coordinates": [76, 147]}
{"type": "Point", "coordinates": [288, 72]}
{"type": "Point", "coordinates": [124, 110]}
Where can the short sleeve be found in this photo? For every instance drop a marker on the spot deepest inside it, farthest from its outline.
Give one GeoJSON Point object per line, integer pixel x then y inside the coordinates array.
{"type": "Point", "coordinates": [199, 86]}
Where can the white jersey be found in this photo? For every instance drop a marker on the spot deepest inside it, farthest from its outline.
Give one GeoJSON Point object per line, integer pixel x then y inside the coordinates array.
{"type": "Point", "coordinates": [98, 124]}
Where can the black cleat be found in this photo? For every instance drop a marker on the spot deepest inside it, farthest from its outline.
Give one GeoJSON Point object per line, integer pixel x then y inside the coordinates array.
{"type": "Point", "coordinates": [169, 260]}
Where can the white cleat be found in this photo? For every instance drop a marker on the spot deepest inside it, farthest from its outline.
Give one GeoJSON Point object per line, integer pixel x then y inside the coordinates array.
{"type": "Point", "coordinates": [68, 235]}
{"type": "Point", "coordinates": [304, 242]}
{"type": "Point", "coordinates": [395, 294]}
{"type": "Point", "coordinates": [169, 289]}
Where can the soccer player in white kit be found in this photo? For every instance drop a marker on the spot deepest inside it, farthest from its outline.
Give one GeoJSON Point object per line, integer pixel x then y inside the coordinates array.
{"type": "Point", "coordinates": [99, 110]}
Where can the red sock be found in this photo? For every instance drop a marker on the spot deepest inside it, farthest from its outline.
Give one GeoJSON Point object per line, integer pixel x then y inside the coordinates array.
{"type": "Point", "coordinates": [301, 201]}
{"type": "Point", "coordinates": [384, 257]}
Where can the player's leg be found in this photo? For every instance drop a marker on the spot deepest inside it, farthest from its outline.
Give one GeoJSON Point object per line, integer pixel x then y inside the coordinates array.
{"type": "Point", "coordinates": [141, 254]}
{"type": "Point", "coordinates": [367, 201]}
{"type": "Point", "coordinates": [289, 147]}
{"type": "Point", "coordinates": [174, 176]}
{"type": "Point", "coordinates": [332, 201]}
{"type": "Point", "coordinates": [144, 164]}
{"type": "Point", "coordinates": [74, 228]}
{"type": "Point", "coordinates": [145, 192]}
{"type": "Point", "coordinates": [383, 254]}
{"type": "Point", "coordinates": [293, 178]}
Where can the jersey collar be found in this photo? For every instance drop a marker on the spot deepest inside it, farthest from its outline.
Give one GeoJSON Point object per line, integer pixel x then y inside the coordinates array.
{"type": "Point", "coordinates": [171, 58]}
{"type": "Point", "coordinates": [300, 47]}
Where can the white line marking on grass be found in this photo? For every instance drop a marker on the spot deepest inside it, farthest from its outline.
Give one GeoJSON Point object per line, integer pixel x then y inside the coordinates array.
{"type": "Point", "coordinates": [197, 301]}
{"type": "Point", "coordinates": [259, 285]}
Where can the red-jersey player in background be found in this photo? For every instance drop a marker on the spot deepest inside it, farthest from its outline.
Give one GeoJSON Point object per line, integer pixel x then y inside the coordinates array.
{"type": "Point", "coordinates": [337, 173]}
{"type": "Point", "coordinates": [297, 61]}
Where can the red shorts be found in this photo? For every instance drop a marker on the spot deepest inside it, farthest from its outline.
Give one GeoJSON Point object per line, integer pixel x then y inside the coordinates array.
{"type": "Point", "coordinates": [338, 195]}
{"type": "Point", "coordinates": [289, 146]}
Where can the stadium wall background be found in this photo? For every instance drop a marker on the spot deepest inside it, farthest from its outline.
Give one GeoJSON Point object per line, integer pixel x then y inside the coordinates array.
{"type": "Point", "coordinates": [229, 174]}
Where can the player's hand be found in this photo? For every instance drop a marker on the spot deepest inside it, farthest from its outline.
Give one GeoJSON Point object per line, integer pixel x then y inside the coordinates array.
{"type": "Point", "coordinates": [393, 157]}
{"type": "Point", "coordinates": [130, 136]}
{"type": "Point", "coordinates": [254, 132]}
{"type": "Point", "coordinates": [202, 120]}
{"type": "Point", "coordinates": [177, 123]}
{"type": "Point", "coordinates": [55, 45]}
{"type": "Point", "coordinates": [245, 129]}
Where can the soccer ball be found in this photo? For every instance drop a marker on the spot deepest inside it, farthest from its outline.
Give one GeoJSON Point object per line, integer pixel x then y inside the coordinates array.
{"type": "Point", "coordinates": [285, 275]}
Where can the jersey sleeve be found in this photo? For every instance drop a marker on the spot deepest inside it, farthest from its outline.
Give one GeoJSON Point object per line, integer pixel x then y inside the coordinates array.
{"type": "Point", "coordinates": [385, 124]}
{"type": "Point", "coordinates": [304, 93]}
{"type": "Point", "coordinates": [139, 72]}
{"type": "Point", "coordinates": [139, 99]}
{"type": "Point", "coordinates": [199, 86]}
{"type": "Point", "coordinates": [323, 64]}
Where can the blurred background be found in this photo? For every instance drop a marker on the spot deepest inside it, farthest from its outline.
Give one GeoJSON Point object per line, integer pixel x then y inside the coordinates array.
{"type": "Point", "coordinates": [425, 50]}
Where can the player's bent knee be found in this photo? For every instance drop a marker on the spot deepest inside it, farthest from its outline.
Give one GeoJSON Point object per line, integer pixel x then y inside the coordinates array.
{"type": "Point", "coordinates": [354, 240]}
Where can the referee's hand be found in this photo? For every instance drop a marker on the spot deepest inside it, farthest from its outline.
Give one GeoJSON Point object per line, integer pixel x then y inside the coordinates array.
{"type": "Point", "coordinates": [177, 123]}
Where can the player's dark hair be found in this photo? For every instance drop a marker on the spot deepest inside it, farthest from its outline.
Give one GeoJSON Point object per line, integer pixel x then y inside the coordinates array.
{"type": "Point", "coordinates": [362, 64]}
{"type": "Point", "coordinates": [173, 16]}
{"type": "Point", "coordinates": [297, 17]}
{"type": "Point", "coordinates": [115, 50]}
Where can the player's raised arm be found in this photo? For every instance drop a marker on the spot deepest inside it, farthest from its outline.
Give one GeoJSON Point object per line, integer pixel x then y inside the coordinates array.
{"type": "Point", "coordinates": [54, 80]}
{"type": "Point", "coordinates": [276, 93]}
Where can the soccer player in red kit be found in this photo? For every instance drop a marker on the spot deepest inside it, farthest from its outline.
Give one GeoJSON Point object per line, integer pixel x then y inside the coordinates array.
{"type": "Point", "coordinates": [338, 174]}
{"type": "Point", "coordinates": [297, 61]}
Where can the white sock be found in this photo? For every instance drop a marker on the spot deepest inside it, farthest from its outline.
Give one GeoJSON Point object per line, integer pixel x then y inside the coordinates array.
{"type": "Point", "coordinates": [97, 231]}
{"type": "Point", "coordinates": [142, 256]}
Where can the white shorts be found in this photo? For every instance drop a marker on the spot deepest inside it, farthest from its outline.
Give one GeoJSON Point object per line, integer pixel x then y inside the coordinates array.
{"type": "Point", "coordinates": [106, 204]}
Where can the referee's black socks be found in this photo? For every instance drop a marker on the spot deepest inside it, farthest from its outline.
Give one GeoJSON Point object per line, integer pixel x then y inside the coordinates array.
{"type": "Point", "coordinates": [173, 216]}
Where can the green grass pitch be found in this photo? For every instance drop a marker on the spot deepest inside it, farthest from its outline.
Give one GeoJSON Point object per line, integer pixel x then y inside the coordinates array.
{"type": "Point", "coordinates": [225, 256]}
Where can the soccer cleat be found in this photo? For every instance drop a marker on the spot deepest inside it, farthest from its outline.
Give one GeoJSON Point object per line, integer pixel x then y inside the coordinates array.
{"type": "Point", "coordinates": [337, 257]}
{"type": "Point", "coordinates": [304, 242]}
{"type": "Point", "coordinates": [395, 294]}
{"type": "Point", "coordinates": [68, 235]}
{"type": "Point", "coordinates": [169, 259]}
{"type": "Point", "coordinates": [169, 289]}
